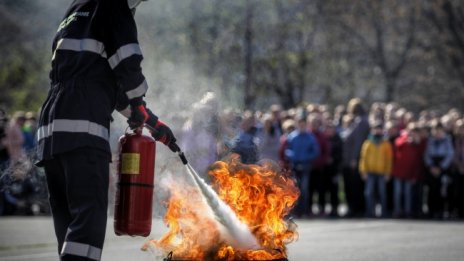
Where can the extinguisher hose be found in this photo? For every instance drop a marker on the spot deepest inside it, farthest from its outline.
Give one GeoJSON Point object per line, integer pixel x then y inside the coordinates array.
{"type": "Point", "coordinates": [177, 149]}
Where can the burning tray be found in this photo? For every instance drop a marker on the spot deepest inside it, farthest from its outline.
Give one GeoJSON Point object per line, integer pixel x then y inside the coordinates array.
{"type": "Point", "coordinates": [170, 258]}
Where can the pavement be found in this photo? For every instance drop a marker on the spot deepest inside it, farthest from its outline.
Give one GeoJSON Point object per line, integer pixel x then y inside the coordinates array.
{"type": "Point", "coordinates": [32, 238]}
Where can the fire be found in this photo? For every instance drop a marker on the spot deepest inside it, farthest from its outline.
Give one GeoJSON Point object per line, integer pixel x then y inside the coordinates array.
{"type": "Point", "coordinates": [261, 197]}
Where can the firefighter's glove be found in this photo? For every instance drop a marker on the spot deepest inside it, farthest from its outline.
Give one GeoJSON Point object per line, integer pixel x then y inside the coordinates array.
{"type": "Point", "coordinates": [173, 146]}
{"type": "Point", "coordinates": [138, 117]}
{"type": "Point", "coordinates": [163, 134]}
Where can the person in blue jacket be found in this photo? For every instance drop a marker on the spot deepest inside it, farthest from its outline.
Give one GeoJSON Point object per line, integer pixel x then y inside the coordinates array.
{"type": "Point", "coordinates": [302, 150]}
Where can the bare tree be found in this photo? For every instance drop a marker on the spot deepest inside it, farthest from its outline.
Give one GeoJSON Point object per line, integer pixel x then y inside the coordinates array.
{"type": "Point", "coordinates": [249, 97]}
{"type": "Point", "coordinates": [447, 16]}
{"type": "Point", "coordinates": [384, 29]}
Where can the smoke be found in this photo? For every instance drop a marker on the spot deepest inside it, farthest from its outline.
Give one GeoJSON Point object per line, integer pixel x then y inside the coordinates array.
{"type": "Point", "coordinates": [17, 171]}
{"type": "Point", "coordinates": [25, 186]}
{"type": "Point", "coordinates": [174, 83]}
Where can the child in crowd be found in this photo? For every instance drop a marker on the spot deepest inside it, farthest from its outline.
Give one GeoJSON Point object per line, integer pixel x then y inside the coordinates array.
{"type": "Point", "coordinates": [375, 167]}
{"type": "Point", "coordinates": [408, 167]}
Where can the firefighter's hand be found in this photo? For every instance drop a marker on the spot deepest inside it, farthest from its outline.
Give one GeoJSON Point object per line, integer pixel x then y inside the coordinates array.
{"type": "Point", "coordinates": [163, 134]}
{"type": "Point", "coordinates": [138, 117]}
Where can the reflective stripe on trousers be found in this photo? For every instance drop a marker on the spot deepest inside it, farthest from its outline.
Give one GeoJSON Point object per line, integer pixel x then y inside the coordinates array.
{"type": "Point", "coordinates": [80, 249]}
{"type": "Point", "coordinates": [73, 126]}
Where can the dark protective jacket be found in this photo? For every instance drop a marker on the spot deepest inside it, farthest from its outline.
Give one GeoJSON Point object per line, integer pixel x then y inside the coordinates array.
{"type": "Point", "coordinates": [95, 69]}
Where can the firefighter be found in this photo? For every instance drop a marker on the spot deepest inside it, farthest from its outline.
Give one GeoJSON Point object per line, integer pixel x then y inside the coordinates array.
{"type": "Point", "coordinates": [95, 69]}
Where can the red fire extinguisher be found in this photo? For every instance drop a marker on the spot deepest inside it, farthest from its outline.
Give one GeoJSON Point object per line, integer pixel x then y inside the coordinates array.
{"type": "Point", "coordinates": [134, 195]}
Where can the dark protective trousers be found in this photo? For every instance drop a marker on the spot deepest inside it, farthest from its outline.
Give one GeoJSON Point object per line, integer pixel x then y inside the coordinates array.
{"type": "Point", "coordinates": [78, 186]}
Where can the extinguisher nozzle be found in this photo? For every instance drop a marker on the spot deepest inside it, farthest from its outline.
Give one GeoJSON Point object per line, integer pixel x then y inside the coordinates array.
{"type": "Point", "coordinates": [182, 157]}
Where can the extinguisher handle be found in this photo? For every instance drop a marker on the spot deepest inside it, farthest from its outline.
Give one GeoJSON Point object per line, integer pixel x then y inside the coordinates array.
{"type": "Point", "coordinates": [178, 150]}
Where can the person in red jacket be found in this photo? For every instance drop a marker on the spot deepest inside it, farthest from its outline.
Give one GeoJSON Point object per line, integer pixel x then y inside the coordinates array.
{"type": "Point", "coordinates": [408, 166]}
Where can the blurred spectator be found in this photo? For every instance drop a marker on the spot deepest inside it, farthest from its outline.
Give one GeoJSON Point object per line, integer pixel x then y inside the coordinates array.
{"type": "Point", "coordinates": [245, 142]}
{"type": "Point", "coordinates": [459, 167]}
{"type": "Point", "coordinates": [269, 140]}
{"type": "Point", "coordinates": [375, 168]}
{"type": "Point", "coordinates": [353, 137]}
{"type": "Point", "coordinates": [4, 157]}
{"type": "Point", "coordinates": [339, 113]}
{"type": "Point", "coordinates": [377, 112]}
{"type": "Point", "coordinates": [448, 124]}
{"type": "Point", "coordinates": [407, 170]}
{"type": "Point", "coordinates": [29, 131]}
{"type": "Point", "coordinates": [438, 158]}
{"type": "Point", "coordinates": [393, 132]}
{"type": "Point", "coordinates": [276, 112]}
{"type": "Point", "coordinates": [400, 117]}
{"type": "Point", "coordinates": [302, 150]}
{"type": "Point", "coordinates": [16, 184]}
{"type": "Point", "coordinates": [15, 138]}
{"type": "Point", "coordinates": [229, 123]}
{"type": "Point", "coordinates": [331, 173]}
{"type": "Point", "coordinates": [319, 164]}
{"type": "Point", "coordinates": [288, 126]}
{"type": "Point", "coordinates": [390, 111]}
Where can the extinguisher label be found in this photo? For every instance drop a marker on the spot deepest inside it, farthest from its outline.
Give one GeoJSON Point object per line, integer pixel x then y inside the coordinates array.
{"type": "Point", "coordinates": [130, 163]}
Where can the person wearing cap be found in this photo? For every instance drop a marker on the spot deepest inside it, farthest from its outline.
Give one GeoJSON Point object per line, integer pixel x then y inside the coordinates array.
{"type": "Point", "coordinates": [375, 166]}
{"type": "Point", "coordinates": [95, 68]}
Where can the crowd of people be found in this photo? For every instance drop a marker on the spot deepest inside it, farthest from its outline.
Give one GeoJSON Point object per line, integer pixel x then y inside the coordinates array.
{"type": "Point", "coordinates": [384, 161]}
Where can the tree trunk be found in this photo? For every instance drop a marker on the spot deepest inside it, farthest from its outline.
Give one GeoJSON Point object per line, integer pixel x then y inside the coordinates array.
{"type": "Point", "coordinates": [389, 89]}
{"type": "Point", "coordinates": [249, 98]}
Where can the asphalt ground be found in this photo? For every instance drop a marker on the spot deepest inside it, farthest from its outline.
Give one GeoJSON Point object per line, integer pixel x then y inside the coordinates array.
{"type": "Point", "coordinates": [32, 238]}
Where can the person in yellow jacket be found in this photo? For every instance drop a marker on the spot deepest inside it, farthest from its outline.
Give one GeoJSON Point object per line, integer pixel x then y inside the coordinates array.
{"type": "Point", "coordinates": [375, 166]}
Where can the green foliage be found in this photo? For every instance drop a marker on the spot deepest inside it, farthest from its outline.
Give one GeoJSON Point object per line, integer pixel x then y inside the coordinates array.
{"type": "Point", "coordinates": [22, 67]}
{"type": "Point", "coordinates": [21, 81]}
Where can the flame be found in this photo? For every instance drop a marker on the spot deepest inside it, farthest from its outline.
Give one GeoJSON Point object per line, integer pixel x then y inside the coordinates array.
{"type": "Point", "coordinates": [261, 197]}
